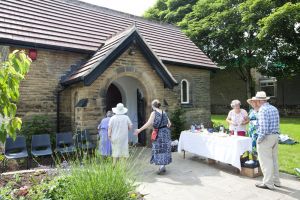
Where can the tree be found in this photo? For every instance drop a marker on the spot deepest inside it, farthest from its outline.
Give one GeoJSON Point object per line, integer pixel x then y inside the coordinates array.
{"type": "Point", "coordinates": [217, 28]}
{"type": "Point", "coordinates": [245, 34]}
{"type": "Point", "coordinates": [170, 11]}
{"type": "Point", "coordinates": [12, 72]}
{"type": "Point", "coordinates": [277, 21]}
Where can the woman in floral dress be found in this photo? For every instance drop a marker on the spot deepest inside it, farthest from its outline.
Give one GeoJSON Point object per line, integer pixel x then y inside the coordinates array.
{"type": "Point", "coordinates": [161, 146]}
{"type": "Point", "coordinates": [237, 119]}
{"type": "Point", "coordinates": [253, 124]}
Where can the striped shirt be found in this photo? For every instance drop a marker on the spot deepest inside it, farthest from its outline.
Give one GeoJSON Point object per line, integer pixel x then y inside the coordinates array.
{"type": "Point", "coordinates": [268, 121]}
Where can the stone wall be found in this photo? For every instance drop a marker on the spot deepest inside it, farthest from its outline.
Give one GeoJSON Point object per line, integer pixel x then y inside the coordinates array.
{"type": "Point", "coordinates": [198, 110]}
{"type": "Point", "coordinates": [226, 85]}
{"type": "Point", "coordinates": [38, 92]}
{"type": "Point", "coordinates": [288, 96]}
{"type": "Point", "coordinates": [4, 51]}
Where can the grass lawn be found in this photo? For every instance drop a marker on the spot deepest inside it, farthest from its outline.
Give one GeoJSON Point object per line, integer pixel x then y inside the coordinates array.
{"type": "Point", "coordinates": [289, 155]}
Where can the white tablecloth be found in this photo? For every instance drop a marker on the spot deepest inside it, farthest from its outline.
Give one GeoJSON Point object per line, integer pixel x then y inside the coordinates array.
{"type": "Point", "coordinates": [223, 149]}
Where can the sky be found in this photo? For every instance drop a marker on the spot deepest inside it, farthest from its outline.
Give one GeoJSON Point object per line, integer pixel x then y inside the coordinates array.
{"type": "Point", "coordinates": [135, 7]}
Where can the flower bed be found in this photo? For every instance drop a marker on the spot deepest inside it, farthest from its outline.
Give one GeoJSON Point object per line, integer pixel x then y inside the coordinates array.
{"type": "Point", "coordinates": [90, 178]}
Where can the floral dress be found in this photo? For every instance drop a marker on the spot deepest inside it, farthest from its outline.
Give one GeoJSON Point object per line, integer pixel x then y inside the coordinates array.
{"type": "Point", "coordinates": [161, 147]}
{"type": "Point", "coordinates": [253, 128]}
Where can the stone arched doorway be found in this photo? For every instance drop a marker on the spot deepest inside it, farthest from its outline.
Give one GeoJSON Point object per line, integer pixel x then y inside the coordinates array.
{"type": "Point", "coordinates": [131, 92]}
{"type": "Point", "coordinates": [113, 97]}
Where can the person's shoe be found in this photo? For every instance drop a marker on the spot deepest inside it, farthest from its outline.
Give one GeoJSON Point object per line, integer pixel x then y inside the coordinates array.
{"type": "Point", "coordinates": [161, 170]}
{"type": "Point", "coordinates": [262, 186]}
{"type": "Point", "coordinates": [278, 185]}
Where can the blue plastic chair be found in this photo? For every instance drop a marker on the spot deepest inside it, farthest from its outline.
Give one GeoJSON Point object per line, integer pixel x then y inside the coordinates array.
{"type": "Point", "coordinates": [65, 143]}
{"type": "Point", "coordinates": [16, 149]}
{"type": "Point", "coordinates": [41, 145]}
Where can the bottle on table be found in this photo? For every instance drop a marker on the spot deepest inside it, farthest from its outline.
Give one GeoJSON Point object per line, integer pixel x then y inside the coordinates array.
{"type": "Point", "coordinates": [192, 128]}
{"type": "Point", "coordinates": [202, 127]}
{"type": "Point", "coordinates": [221, 129]}
{"type": "Point", "coordinates": [235, 132]}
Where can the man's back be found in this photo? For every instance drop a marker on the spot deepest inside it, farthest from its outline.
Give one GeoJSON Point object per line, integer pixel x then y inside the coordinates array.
{"type": "Point", "coordinates": [268, 119]}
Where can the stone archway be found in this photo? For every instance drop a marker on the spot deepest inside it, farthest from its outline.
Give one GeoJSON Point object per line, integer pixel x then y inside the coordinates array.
{"type": "Point", "coordinates": [131, 92]}
{"type": "Point", "coordinates": [150, 86]}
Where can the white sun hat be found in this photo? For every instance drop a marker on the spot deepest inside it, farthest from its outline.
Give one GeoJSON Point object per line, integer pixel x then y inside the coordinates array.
{"type": "Point", "coordinates": [261, 95]}
{"type": "Point", "coordinates": [120, 109]}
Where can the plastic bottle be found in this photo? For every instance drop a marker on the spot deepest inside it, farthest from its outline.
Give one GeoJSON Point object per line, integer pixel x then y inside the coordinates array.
{"type": "Point", "coordinates": [235, 131]}
{"type": "Point", "coordinates": [192, 128]}
{"type": "Point", "coordinates": [221, 129]}
{"type": "Point", "coordinates": [202, 127]}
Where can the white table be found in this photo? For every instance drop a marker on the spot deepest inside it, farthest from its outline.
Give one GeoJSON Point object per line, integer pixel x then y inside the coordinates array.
{"type": "Point", "coordinates": [209, 145]}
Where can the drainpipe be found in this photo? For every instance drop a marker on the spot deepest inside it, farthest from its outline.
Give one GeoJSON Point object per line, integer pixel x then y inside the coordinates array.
{"type": "Point", "coordinates": [58, 109]}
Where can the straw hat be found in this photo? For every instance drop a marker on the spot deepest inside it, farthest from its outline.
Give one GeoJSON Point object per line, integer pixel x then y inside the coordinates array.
{"type": "Point", "coordinates": [120, 109]}
{"type": "Point", "coordinates": [260, 96]}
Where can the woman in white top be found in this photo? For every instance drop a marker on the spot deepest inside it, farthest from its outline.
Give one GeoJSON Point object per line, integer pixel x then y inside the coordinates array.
{"type": "Point", "coordinates": [118, 128]}
{"type": "Point", "coordinates": [237, 119]}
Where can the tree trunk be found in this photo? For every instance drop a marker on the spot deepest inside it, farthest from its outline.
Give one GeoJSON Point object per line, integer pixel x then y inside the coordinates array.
{"type": "Point", "coordinates": [249, 85]}
{"type": "Point", "coordinates": [248, 88]}
{"type": "Point", "coordinates": [245, 74]}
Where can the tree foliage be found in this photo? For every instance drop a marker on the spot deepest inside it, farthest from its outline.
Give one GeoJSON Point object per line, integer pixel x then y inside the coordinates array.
{"type": "Point", "coordinates": [283, 28]}
{"type": "Point", "coordinates": [170, 11]}
{"type": "Point", "coordinates": [12, 72]}
{"type": "Point", "coordinates": [242, 34]}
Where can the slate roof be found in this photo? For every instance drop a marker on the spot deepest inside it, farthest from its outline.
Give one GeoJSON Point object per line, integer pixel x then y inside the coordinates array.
{"type": "Point", "coordinates": [112, 48]}
{"type": "Point", "coordinates": [77, 26]}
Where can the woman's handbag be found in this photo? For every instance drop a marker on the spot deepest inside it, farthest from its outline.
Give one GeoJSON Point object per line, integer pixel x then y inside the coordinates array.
{"type": "Point", "coordinates": [155, 131]}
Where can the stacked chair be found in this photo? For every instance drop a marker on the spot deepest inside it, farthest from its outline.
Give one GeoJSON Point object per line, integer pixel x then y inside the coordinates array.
{"type": "Point", "coordinates": [41, 145]}
{"type": "Point", "coordinates": [65, 143]}
{"type": "Point", "coordinates": [83, 141]}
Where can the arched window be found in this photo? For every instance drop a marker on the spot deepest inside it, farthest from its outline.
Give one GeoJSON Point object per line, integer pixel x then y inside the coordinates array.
{"type": "Point", "coordinates": [185, 90]}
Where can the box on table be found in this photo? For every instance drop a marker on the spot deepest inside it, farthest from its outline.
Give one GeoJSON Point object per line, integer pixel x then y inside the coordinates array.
{"type": "Point", "coordinates": [251, 172]}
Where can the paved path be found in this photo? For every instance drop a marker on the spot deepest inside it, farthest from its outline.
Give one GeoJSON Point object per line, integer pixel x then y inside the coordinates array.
{"type": "Point", "coordinates": [193, 179]}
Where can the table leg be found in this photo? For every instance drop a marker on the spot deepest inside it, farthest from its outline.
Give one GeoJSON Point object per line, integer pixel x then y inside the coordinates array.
{"type": "Point", "coordinates": [183, 154]}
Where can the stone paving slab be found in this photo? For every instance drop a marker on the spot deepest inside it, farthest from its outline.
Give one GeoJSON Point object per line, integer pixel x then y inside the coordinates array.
{"type": "Point", "coordinates": [193, 179]}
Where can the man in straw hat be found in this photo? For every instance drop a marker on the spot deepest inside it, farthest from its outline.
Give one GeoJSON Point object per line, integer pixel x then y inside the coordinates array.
{"type": "Point", "coordinates": [118, 128]}
{"type": "Point", "coordinates": [267, 141]}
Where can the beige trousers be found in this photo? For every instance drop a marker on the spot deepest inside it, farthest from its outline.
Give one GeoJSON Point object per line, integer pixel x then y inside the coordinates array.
{"type": "Point", "coordinates": [268, 158]}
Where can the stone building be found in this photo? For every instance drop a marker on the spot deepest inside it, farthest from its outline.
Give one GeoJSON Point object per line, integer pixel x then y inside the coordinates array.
{"type": "Point", "coordinates": [86, 59]}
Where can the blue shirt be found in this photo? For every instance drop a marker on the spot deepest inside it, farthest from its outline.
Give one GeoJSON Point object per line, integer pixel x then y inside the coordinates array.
{"type": "Point", "coordinates": [268, 121]}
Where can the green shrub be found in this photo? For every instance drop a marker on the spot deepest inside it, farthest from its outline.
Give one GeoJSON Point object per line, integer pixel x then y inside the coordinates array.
{"type": "Point", "coordinates": [50, 190]}
{"type": "Point", "coordinates": [178, 122]}
{"type": "Point", "coordinates": [100, 181]}
{"type": "Point", "coordinates": [6, 193]}
{"type": "Point", "coordinates": [91, 178]}
{"type": "Point", "coordinates": [38, 124]}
